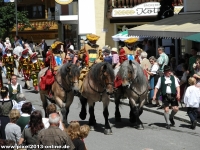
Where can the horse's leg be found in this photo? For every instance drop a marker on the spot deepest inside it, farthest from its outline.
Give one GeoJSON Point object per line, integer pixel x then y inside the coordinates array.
{"type": "Point", "coordinates": [44, 102]}
{"type": "Point", "coordinates": [136, 113]}
{"type": "Point", "coordinates": [83, 112]}
{"type": "Point", "coordinates": [117, 103]}
{"type": "Point", "coordinates": [92, 121]}
{"type": "Point", "coordinates": [62, 107]}
{"type": "Point", "coordinates": [107, 129]}
{"type": "Point", "coordinates": [69, 101]}
{"type": "Point", "coordinates": [140, 112]}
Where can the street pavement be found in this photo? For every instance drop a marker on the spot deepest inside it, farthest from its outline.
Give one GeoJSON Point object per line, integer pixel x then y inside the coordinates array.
{"type": "Point", "coordinates": [154, 137]}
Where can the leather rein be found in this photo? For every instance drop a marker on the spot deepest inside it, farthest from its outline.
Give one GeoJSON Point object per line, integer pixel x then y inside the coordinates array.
{"type": "Point", "coordinates": [100, 92]}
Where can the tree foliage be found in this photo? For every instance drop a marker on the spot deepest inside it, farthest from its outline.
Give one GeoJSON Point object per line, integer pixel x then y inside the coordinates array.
{"type": "Point", "coordinates": [8, 18]}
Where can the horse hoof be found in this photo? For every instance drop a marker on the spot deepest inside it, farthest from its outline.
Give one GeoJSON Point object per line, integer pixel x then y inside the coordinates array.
{"type": "Point", "coordinates": [117, 119]}
{"type": "Point", "coordinates": [108, 132]}
{"type": "Point", "coordinates": [140, 127]}
{"type": "Point", "coordinates": [82, 116]}
{"type": "Point", "coordinates": [91, 128]}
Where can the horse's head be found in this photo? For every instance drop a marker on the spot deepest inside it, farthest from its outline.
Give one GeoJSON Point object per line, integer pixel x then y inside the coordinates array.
{"type": "Point", "coordinates": [70, 73]}
{"type": "Point", "coordinates": [107, 78]}
{"type": "Point", "coordinates": [73, 77]}
{"type": "Point", "coordinates": [102, 75]}
{"type": "Point", "coordinates": [127, 73]}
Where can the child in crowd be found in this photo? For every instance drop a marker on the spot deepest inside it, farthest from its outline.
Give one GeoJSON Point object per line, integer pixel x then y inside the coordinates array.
{"type": "Point", "coordinates": [107, 57]}
{"type": "Point", "coordinates": [115, 60]}
{"type": "Point", "coordinates": [84, 131]}
{"type": "Point", "coordinates": [192, 101]}
{"type": "Point", "coordinates": [73, 130]}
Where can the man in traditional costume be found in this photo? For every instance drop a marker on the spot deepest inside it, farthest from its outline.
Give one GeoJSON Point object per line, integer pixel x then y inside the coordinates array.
{"type": "Point", "coordinates": [125, 53]}
{"type": "Point", "coordinates": [54, 59]}
{"type": "Point", "coordinates": [24, 62]}
{"type": "Point", "coordinates": [128, 48]}
{"type": "Point", "coordinates": [89, 55]}
{"type": "Point", "coordinates": [35, 66]}
{"type": "Point", "coordinates": [8, 61]}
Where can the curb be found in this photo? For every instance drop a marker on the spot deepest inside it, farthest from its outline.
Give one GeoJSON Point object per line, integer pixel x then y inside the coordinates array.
{"type": "Point", "coordinates": [157, 112]}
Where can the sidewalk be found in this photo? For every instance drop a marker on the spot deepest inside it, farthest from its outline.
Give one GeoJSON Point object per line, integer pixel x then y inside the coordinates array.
{"type": "Point", "coordinates": [181, 115]}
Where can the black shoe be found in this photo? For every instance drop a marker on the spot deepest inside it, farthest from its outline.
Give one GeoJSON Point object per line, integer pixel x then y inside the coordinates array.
{"type": "Point", "coordinates": [172, 121]}
{"type": "Point", "coordinates": [167, 126]}
{"type": "Point", "coordinates": [194, 124]}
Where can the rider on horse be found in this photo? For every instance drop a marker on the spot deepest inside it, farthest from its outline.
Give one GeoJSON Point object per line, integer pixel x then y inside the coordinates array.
{"type": "Point", "coordinates": [89, 54]}
{"type": "Point", "coordinates": [125, 53]}
{"type": "Point", "coordinates": [54, 59]}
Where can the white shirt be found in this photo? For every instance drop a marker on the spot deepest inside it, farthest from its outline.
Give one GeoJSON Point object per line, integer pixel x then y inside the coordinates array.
{"type": "Point", "coordinates": [15, 87]}
{"type": "Point", "coordinates": [192, 97]}
{"type": "Point", "coordinates": [154, 68]}
{"type": "Point", "coordinates": [167, 81]}
{"type": "Point", "coordinates": [18, 51]}
{"type": "Point", "coordinates": [46, 123]}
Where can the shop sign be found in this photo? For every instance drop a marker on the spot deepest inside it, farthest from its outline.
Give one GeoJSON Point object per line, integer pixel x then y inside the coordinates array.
{"type": "Point", "coordinates": [144, 9]}
{"type": "Point", "coordinates": [63, 2]}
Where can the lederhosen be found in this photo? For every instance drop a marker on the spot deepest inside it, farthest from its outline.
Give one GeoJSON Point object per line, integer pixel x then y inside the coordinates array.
{"type": "Point", "coordinates": [13, 93]}
{"type": "Point", "coordinates": [166, 97]}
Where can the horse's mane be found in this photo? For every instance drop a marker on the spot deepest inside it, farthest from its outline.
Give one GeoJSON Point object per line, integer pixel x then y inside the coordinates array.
{"type": "Point", "coordinates": [140, 77]}
{"type": "Point", "coordinates": [95, 71]}
{"type": "Point", "coordinates": [73, 69]}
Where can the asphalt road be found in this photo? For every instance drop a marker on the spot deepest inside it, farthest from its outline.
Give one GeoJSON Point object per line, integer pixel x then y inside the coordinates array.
{"type": "Point", "coordinates": [125, 137]}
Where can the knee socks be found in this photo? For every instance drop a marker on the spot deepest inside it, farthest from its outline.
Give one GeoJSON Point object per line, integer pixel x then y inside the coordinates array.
{"type": "Point", "coordinates": [166, 115]}
{"type": "Point", "coordinates": [173, 113]}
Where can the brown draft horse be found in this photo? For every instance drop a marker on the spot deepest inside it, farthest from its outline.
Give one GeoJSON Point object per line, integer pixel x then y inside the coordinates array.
{"type": "Point", "coordinates": [97, 86]}
{"type": "Point", "coordinates": [135, 87]}
{"type": "Point", "coordinates": [64, 88]}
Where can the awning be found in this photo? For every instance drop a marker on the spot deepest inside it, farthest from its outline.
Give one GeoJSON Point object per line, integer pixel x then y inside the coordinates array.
{"type": "Point", "coordinates": [122, 36]}
{"type": "Point", "coordinates": [194, 37]}
{"type": "Point", "coordinates": [178, 26]}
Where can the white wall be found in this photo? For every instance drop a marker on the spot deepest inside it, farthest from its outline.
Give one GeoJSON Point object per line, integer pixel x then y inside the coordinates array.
{"type": "Point", "coordinates": [86, 16]}
{"type": "Point", "coordinates": [191, 5]}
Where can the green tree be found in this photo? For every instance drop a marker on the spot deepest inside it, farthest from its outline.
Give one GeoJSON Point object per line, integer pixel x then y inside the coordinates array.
{"type": "Point", "coordinates": [8, 18]}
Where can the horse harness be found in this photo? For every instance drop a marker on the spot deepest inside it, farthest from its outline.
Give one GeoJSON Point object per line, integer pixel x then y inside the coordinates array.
{"type": "Point", "coordinates": [60, 84]}
{"type": "Point", "coordinates": [139, 95]}
{"type": "Point", "coordinates": [100, 93]}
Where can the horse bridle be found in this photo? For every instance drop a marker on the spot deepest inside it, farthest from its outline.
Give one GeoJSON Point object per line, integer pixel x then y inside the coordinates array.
{"type": "Point", "coordinates": [131, 81]}
{"type": "Point", "coordinates": [68, 85]}
{"type": "Point", "coordinates": [104, 86]}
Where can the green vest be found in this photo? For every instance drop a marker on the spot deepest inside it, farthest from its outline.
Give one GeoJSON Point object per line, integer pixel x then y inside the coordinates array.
{"type": "Point", "coordinates": [164, 86]}
{"type": "Point", "coordinates": [13, 93]}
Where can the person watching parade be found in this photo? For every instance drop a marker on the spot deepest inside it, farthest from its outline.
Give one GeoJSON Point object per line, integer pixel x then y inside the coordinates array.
{"type": "Point", "coordinates": [170, 90]}
{"type": "Point", "coordinates": [25, 67]}
{"type": "Point", "coordinates": [35, 66]}
{"type": "Point", "coordinates": [8, 61]}
{"type": "Point", "coordinates": [89, 55]}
